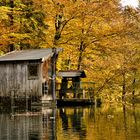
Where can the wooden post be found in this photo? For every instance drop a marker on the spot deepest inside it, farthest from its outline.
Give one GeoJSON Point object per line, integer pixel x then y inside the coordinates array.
{"type": "Point", "coordinates": [76, 85]}
{"type": "Point", "coordinates": [84, 96]}
{"type": "Point", "coordinates": [63, 89]}
{"type": "Point", "coordinates": [53, 76]}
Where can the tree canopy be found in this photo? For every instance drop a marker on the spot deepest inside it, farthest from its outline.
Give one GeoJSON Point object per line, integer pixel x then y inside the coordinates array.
{"type": "Point", "coordinates": [22, 23]}
{"type": "Point", "coordinates": [100, 37]}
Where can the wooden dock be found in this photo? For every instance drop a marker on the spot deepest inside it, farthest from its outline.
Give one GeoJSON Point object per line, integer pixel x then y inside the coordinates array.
{"type": "Point", "coordinates": [29, 103]}
{"type": "Point", "coordinates": [75, 102]}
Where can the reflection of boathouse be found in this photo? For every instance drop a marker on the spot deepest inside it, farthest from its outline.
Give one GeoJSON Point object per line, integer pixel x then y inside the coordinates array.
{"type": "Point", "coordinates": [28, 125]}
{"type": "Point", "coordinates": [27, 73]}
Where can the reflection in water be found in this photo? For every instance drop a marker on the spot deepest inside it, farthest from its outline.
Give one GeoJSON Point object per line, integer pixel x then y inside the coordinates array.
{"type": "Point", "coordinates": [125, 121]}
{"type": "Point", "coordinates": [105, 123]}
{"type": "Point", "coordinates": [135, 118]}
{"type": "Point", "coordinates": [74, 116]}
{"type": "Point", "coordinates": [35, 125]}
{"type": "Point", "coordinates": [75, 123]}
{"type": "Point", "coordinates": [64, 118]}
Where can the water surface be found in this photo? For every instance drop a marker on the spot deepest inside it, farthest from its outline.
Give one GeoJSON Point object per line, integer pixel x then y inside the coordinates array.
{"type": "Point", "coordinates": [71, 123]}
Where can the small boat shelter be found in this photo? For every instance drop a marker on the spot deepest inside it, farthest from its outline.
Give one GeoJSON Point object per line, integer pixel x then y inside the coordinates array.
{"type": "Point", "coordinates": [70, 82]}
{"type": "Point", "coordinates": [72, 91]}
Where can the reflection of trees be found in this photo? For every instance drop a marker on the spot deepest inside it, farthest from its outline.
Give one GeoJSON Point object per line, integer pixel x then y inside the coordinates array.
{"type": "Point", "coordinates": [125, 120]}
{"type": "Point", "coordinates": [130, 121]}
{"type": "Point", "coordinates": [111, 122]}
{"type": "Point", "coordinates": [135, 118]}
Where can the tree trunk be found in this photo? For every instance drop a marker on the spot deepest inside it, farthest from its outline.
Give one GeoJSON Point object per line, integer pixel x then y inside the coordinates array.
{"type": "Point", "coordinates": [80, 55]}
{"type": "Point", "coordinates": [124, 87]}
{"type": "Point", "coordinates": [11, 46]}
{"type": "Point", "coordinates": [58, 25]}
{"type": "Point", "coordinates": [80, 60]}
{"type": "Point", "coordinates": [133, 85]}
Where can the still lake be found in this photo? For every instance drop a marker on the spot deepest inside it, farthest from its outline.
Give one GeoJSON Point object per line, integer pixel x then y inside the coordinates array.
{"type": "Point", "coordinates": [108, 122]}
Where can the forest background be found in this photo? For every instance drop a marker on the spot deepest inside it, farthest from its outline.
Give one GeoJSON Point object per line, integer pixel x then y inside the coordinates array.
{"type": "Point", "coordinates": [98, 36]}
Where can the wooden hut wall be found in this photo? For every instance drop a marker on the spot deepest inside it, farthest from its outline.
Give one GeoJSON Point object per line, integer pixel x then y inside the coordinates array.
{"type": "Point", "coordinates": [14, 79]}
{"type": "Point", "coordinates": [46, 72]}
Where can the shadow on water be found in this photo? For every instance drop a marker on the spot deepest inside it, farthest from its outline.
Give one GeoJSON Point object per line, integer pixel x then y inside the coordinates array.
{"type": "Point", "coordinates": [75, 123]}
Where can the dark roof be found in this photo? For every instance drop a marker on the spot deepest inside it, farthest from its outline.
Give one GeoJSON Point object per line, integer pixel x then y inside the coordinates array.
{"type": "Point", "coordinates": [72, 73]}
{"type": "Point", "coordinates": [32, 54]}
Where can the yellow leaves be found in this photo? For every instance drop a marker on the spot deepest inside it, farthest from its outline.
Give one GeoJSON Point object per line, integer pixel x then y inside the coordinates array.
{"type": "Point", "coordinates": [96, 28]}
{"type": "Point", "coordinates": [3, 13]}
{"type": "Point", "coordinates": [17, 35]}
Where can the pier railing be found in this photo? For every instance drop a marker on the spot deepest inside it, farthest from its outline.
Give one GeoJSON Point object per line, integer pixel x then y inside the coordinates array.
{"type": "Point", "coordinates": [76, 90]}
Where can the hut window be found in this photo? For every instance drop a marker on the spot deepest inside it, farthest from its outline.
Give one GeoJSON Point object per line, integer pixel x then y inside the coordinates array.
{"type": "Point", "coordinates": [33, 71]}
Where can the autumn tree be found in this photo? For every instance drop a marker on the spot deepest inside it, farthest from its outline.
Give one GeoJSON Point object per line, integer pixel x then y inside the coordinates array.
{"type": "Point", "coordinates": [123, 57]}
{"type": "Point", "coordinates": [100, 37]}
{"type": "Point", "coordinates": [24, 24]}
{"type": "Point", "coordinates": [79, 25]}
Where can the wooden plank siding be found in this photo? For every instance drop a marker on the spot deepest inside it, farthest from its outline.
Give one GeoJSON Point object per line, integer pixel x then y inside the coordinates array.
{"type": "Point", "coordinates": [14, 78]}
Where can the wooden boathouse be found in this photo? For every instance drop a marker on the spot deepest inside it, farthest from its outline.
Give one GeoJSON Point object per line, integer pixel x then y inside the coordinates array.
{"type": "Point", "coordinates": [28, 73]}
